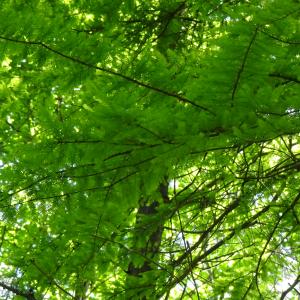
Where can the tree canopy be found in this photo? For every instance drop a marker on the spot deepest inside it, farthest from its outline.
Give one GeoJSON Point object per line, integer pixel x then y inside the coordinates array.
{"type": "Point", "coordinates": [149, 149]}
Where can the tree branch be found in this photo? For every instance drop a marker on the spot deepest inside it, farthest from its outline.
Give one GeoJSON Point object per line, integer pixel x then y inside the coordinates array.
{"type": "Point", "coordinates": [283, 295]}
{"type": "Point", "coordinates": [293, 204]}
{"type": "Point", "coordinates": [241, 69]}
{"type": "Point", "coordinates": [279, 39]}
{"type": "Point", "coordinates": [218, 220]}
{"type": "Point", "coordinates": [285, 77]}
{"type": "Point", "coordinates": [109, 71]}
{"type": "Point", "coordinates": [28, 295]}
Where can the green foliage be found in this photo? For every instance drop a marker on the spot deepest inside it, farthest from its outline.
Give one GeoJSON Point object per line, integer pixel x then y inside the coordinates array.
{"type": "Point", "coordinates": [149, 149]}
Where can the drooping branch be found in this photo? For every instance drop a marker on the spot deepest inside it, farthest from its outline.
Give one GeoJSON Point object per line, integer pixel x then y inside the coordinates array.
{"type": "Point", "coordinates": [109, 71]}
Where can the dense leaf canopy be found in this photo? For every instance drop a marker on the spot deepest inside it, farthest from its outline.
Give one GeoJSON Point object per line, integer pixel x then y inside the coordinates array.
{"type": "Point", "coordinates": [150, 149]}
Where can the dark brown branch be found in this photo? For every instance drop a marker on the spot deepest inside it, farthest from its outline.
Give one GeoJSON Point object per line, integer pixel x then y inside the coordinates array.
{"type": "Point", "coordinates": [109, 71]}
{"type": "Point", "coordinates": [228, 209]}
{"type": "Point", "coordinates": [292, 286]}
{"type": "Point", "coordinates": [279, 39]}
{"type": "Point", "coordinates": [243, 226]}
{"type": "Point", "coordinates": [27, 295]}
{"type": "Point", "coordinates": [241, 69]}
{"type": "Point", "coordinates": [195, 261]}
{"type": "Point", "coordinates": [151, 247]}
{"type": "Point", "coordinates": [285, 77]}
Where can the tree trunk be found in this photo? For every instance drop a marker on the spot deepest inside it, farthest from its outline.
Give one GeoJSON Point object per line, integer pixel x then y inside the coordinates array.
{"type": "Point", "coordinates": [147, 240]}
